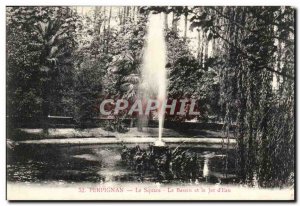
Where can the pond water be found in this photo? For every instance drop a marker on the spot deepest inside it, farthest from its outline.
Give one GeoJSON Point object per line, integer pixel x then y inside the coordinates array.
{"type": "Point", "coordinates": [103, 163]}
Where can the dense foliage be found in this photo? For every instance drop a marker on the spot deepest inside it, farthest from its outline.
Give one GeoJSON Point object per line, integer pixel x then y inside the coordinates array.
{"type": "Point", "coordinates": [64, 61]}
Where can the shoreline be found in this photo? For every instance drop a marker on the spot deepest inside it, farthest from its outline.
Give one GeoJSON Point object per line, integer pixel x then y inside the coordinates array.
{"type": "Point", "coordinates": [196, 142]}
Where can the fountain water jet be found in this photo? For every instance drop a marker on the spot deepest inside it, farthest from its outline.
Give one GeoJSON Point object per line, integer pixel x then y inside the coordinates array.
{"type": "Point", "coordinates": [154, 75]}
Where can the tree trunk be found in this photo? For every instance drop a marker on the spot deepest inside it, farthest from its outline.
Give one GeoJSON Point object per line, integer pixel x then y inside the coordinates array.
{"type": "Point", "coordinates": [166, 20]}
{"type": "Point", "coordinates": [124, 15]}
{"type": "Point", "coordinates": [185, 21]}
{"type": "Point", "coordinates": [199, 46]}
{"type": "Point", "coordinates": [108, 30]}
{"type": "Point", "coordinates": [174, 23]}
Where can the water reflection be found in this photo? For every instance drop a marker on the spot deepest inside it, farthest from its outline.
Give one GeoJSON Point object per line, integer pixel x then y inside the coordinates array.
{"type": "Point", "coordinates": [205, 167]}
{"type": "Point", "coordinates": [49, 163]}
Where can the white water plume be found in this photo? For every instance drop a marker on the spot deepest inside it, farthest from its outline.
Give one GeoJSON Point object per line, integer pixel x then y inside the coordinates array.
{"type": "Point", "coordinates": [154, 75]}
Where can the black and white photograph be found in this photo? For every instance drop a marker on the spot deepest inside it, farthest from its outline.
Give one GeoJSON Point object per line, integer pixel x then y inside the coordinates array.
{"type": "Point", "coordinates": [150, 103]}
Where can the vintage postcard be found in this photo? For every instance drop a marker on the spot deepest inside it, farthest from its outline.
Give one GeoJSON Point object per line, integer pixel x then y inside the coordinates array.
{"type": "Point", "coordinates": [150, 103]}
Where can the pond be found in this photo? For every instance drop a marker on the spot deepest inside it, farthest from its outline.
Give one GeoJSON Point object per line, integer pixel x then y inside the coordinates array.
{"type": "Point", "coordinates": [103, 163]}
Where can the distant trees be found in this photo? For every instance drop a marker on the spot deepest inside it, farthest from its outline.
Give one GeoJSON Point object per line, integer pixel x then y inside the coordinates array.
{"type": "Point", "coordinates": [108, 58]}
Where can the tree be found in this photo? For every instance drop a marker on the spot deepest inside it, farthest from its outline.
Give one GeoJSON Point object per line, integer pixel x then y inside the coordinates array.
{"type": "Point", "coordinates": [246, 44]}
{"type": "Point", "coordinates": [50, 39]}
